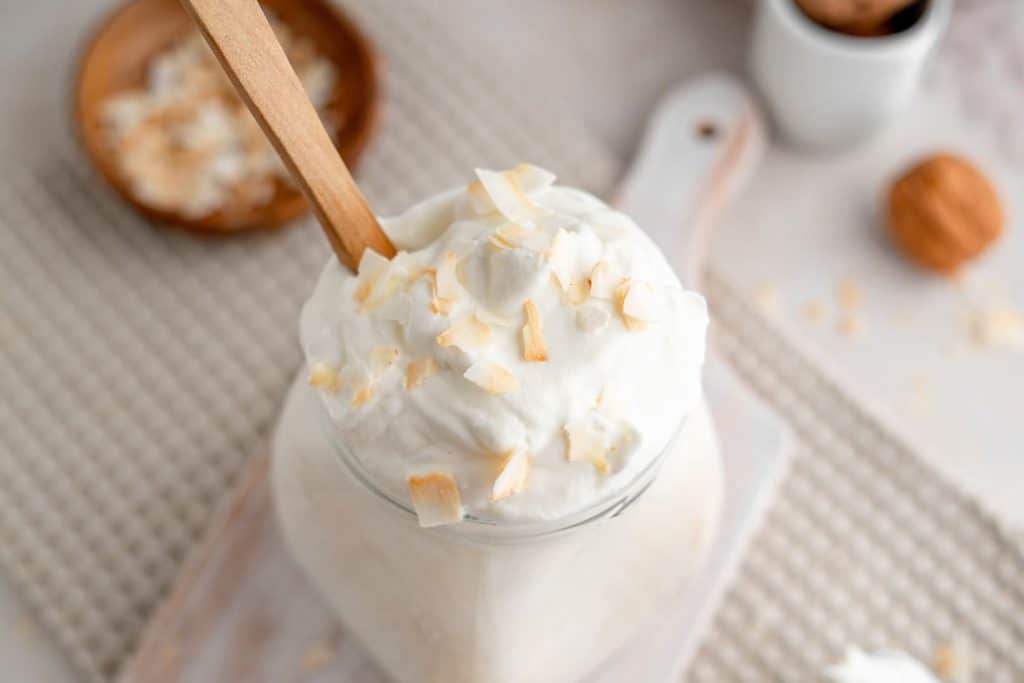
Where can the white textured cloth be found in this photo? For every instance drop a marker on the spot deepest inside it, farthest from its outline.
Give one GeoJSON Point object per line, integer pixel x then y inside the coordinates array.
{"type": "Point", "coordinates": [141, 366]}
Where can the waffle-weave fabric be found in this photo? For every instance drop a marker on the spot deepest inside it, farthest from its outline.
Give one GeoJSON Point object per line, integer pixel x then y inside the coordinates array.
{"type": "Point", "coordinates": [142, 366]}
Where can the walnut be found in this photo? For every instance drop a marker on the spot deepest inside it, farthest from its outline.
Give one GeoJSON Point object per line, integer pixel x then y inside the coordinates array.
{"type": "Point", "coordinates": [943, 212]}
{"type": "Point", "coordinates": [862, 17]}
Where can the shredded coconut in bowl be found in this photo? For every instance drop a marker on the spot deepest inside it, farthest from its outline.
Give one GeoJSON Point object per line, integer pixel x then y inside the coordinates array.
{"type": "Point", "coordinates": [185, 143]}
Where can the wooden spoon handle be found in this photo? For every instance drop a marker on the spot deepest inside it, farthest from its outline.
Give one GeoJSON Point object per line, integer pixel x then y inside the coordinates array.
{"type": "Point", "coordinates": [245, 44]}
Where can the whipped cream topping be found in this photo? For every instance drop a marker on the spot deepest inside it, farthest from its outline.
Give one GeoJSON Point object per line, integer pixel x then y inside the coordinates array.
{"type": "Point", "coordinates": [885, 666]}
{"type": "Point", "coordinates": [526, 353]}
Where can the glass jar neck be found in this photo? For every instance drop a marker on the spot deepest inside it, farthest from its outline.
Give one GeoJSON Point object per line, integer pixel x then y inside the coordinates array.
{"type": "Point", "coordinates": [493, 531]}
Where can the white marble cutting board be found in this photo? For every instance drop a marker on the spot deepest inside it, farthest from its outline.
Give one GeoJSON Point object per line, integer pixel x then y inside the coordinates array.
{"type": "Point", "coordinates": [804, 224]}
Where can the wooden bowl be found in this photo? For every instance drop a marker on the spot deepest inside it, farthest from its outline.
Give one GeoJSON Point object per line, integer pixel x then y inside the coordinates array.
{"type": "Point", "coordinates": [116, 59]}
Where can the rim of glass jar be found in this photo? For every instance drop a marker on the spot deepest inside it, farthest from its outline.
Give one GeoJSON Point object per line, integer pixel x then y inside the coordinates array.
{"type": "Point", "coordinates": [497, 531]}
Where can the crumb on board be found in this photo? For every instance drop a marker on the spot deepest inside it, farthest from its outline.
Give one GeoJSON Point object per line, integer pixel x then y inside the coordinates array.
{"type": "Point", "coordinates": [26, 627]}
{"type": "Point", "coordinates": [814, 311]}
{"type": "Point", "coordinates": [851, 326]}
{"type": "Point", "coordinates": [768, 298]}
{"type": "Point", "coordinates": [997, 327]}
{"type": "Point", "coordinates": [849, 295]}
{"type": "Point", "coordinates": [922, 394]}
{"type": "Point", "coordinates": [953, 662]}
{"type": "Point", "coordinates": [318, 655]}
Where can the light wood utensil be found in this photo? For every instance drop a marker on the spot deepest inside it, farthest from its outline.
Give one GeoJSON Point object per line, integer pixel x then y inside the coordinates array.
{"type": "Point", "coordinates": [120, 51]}
{"type": "Point", "coordinates": [245, 44]}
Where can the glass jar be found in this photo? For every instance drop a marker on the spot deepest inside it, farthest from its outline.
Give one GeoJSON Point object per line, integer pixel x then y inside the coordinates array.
{"type": "Point", "coordinates": [483, 602]}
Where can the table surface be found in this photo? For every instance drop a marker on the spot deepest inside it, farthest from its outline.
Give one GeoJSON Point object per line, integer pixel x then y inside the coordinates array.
{"type": "Point", "coordinates": [792, 237]}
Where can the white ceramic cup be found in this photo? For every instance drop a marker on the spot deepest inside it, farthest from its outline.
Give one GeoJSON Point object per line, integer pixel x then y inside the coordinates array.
{"type": "Point", "coordinates": [826, 89]}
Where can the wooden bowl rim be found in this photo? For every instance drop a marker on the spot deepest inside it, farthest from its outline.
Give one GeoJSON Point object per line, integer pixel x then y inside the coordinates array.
{"type": "Point", "coordinates": [294, 204]}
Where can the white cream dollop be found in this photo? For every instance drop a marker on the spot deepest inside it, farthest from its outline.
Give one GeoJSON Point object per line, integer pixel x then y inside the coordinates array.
{"type": "Point", "coordinates": [623, 349]}
{"type": "Point", "coordinates": [884, 666]}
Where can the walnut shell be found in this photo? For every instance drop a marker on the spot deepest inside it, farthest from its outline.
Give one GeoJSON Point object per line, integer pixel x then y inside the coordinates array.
{"type": "Point", "coordinates": [864, 17]}
{"type": "Point", "coordinates": [943, 212]}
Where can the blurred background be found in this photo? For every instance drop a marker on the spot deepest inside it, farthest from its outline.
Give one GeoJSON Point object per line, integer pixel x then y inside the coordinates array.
{"type": "Point", "coordinates": [875, 231]}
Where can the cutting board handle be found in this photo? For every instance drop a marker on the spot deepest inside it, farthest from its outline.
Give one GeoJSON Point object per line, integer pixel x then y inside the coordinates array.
{"type": "Point", "coordinates": [703, 140]}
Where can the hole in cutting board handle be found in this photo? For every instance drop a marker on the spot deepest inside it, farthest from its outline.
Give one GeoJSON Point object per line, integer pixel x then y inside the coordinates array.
{"type": "Point", "coordinates": [707, 130]}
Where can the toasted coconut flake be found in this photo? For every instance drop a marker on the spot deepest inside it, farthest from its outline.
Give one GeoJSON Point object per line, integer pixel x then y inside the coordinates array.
{"type": "Point", "coordinates": [562, 257]}
{"type": "Point", "coordinates": [361, 395]}
{"type": "Point", "coordinates": [372, 264]}
{"type": "Point", "coordinates": [507, 196]}
{"type": "Point", "coordinates": [408, 263]}
{"type": "Point", "coordinates": [428, 273]}
{"type": "Point", "coordinates": [627, 441]}
{"type": "Point", "coordinates": [955, 662]}
{"type": "Point", "coordinates": [641, 302]}
{"type": "Point", "coordinates": [592, 317]}
{"type": "Point", "coordinates": [380, 279]}
{"type": "Point", "coordinates": [438, 306]}
{"type": "Point", "coordinates": [621, 291]}
{"type": "Point", "coordinates": [324, 377]}
{"type": "Point", "coordinates": [607, 405]}
{"type": "Point", "coordinates": [441, 306]}
{"type": "Point", "coordinates": [601, 284]}
{"type": "Point", "coordinates": [382, 358]}
{"type": "Point", "coordinates": [633, 325]}
{"type": "Point", "coordinates": [576, 294]}
{"type": "Point", "coordinates": [511, 232]}
{"type": "Point", "coordinates": [363, 291]}
{"type": "Point", "coordinates": [500, 241]}
{"type": "Point", "coordinates": [491, 377]}
{"type": "Point", "coordinates": [621, 294]}
{"type": "Point", "coordinates": [397, 308]}
{"type": "Point", "coordinates": [419, 370]}
{"type": "Point", "coordinates": [435, 497]}
{"type": "Point", "coordinates": [531, 178]}
{"type": "Point", "coordinates": [447, 285]}
{"type": "Point", "coordinates": [466, 333]}
{"type": "Point", "coordinates": [371, 267]}
{"type": "Point", "coordinates": [386, 286]}
{"type": "Point", "coordinates": [515, 236]}
{"type": "Point", "coordinates": [507, 236]}
{"type": "Point", "coordinates": [512, 478]}
{"type": "Point", "coordinates": [815, 311]}
{"type": "Point", "coordinates": [318, 655]}
{"type": "Point", "coordinates": [479, 200]}
{"type": "Point", "coordinates": [997, 327]}
{"type": "Point", "coordinates": [585, 444]}
{"type": "Point", "coordinates": [534, 350]}
{"type": "Point", "coordinates": [444, 279]}
{"type": "Point", "coordinates": [849, 295]}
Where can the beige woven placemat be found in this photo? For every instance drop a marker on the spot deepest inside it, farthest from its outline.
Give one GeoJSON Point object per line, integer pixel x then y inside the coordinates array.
{"type": "Point", "coordinates": [866, 544]}
{"type": "Point", "coordinates": [141, 367]}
